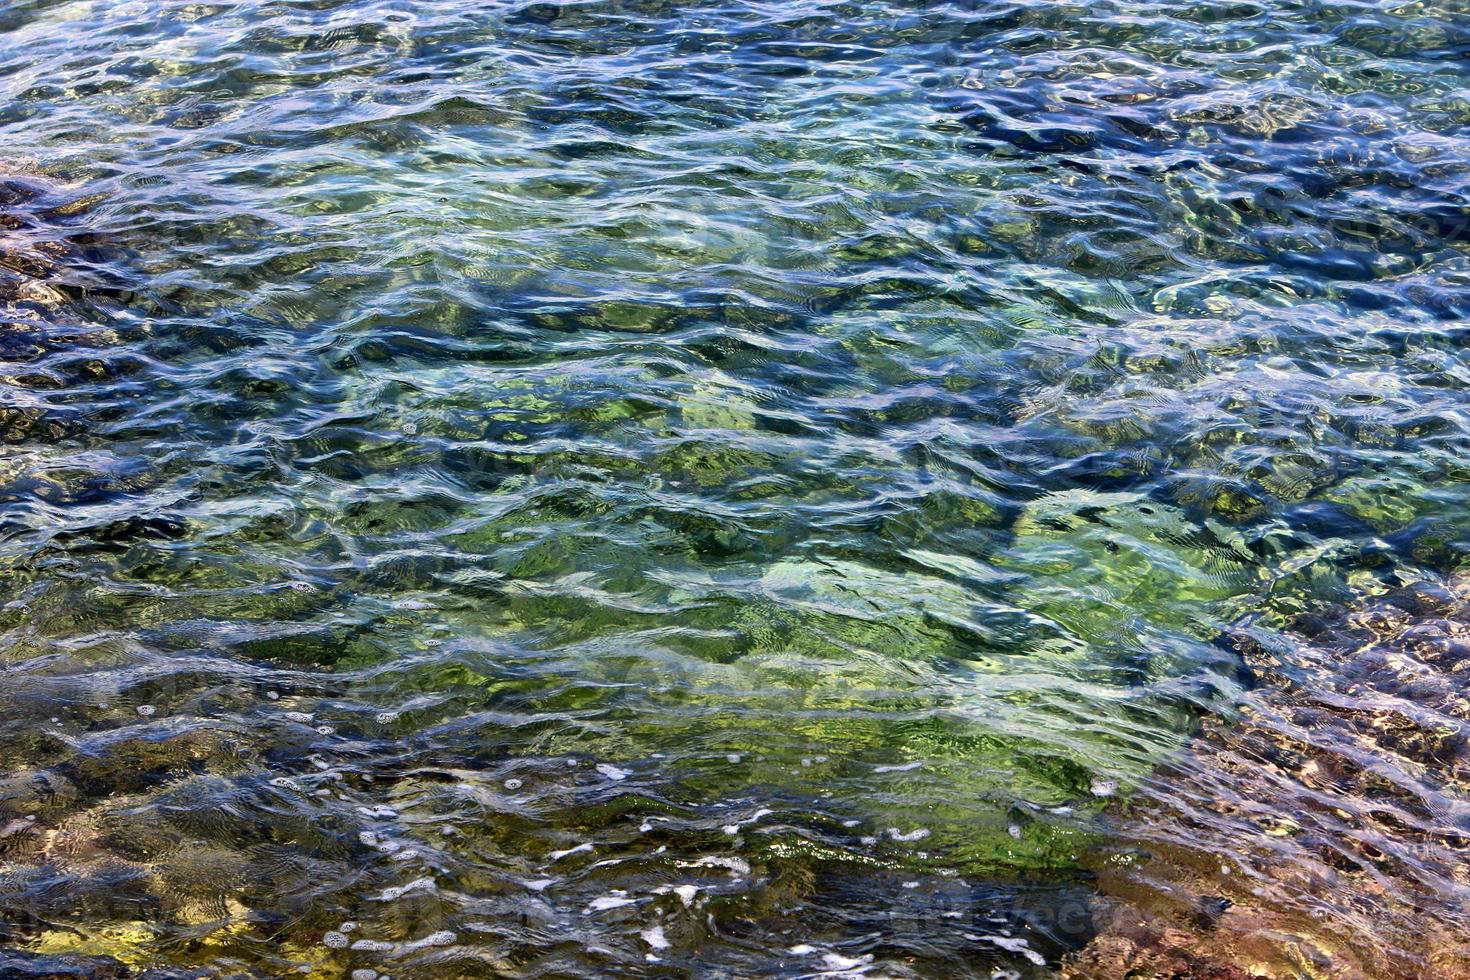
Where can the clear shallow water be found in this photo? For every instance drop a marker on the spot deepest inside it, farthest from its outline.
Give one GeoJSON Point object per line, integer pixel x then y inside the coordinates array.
{"type": "Point", "coordinates": [729, 488]}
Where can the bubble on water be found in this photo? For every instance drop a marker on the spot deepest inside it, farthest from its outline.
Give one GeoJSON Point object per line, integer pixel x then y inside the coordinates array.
{"type": "Point", "coordinates": [1104, 787]}
{"type": "Point", "coordinates": [364, 974]}
{"type": "Point", "coordinates": [325, 730]}
{"type": "Point", "coordinates": [849, 824]}
{"type": "Point", "coordinates": [911, 885]}
{"type": "Point", "coordinates": [347, 927]}
{"type": "Point", "coordinates": [612, 772]}
{"type": "Point", "coordinates": [378, 842]}
{"type": "Point", "coordinates": [386, 717]}
{"type": "Point", "coordinates": [392, 894]}
{"type": "Point", "coordinates": [1014, 830]}
{"type": "Point", "coordinates": [334, 940]}
{"type": "Point", "coordinates": [907, 838]}
{"type": "Point", "coordinates": [298, 716]}
{"type": "Point", "coordinates": [802, 949]}
{"type": "Point", "coordinates": [285, 782]}
{"type": "Point", "coordinates": [146, 710]}
{"type": "Point", "coordinates": [372, 946]}
{"type": "Point", "coordinates": [304, 587]}
{"type": "Point", "coordinates": [272, 695]}
{"type": "Point", "coordinates": [513, 784]}
{"type": "Point", "coordinates": [734, 757]}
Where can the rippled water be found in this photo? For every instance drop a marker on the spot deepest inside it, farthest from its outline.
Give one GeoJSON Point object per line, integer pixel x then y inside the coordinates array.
{"type": "Point", "coordinates": [728, 488]}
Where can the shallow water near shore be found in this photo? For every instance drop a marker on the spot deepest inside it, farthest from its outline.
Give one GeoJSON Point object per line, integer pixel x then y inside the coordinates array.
{"type": "Point", "coordinates": [727, 489]}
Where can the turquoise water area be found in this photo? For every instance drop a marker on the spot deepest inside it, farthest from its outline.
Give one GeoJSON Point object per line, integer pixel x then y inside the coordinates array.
{"type": "Point", "coordinates": [649, 488]}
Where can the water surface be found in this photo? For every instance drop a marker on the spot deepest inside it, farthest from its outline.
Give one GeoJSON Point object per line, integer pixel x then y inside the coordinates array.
{"type": "Point", "coordinates": [731, 488]}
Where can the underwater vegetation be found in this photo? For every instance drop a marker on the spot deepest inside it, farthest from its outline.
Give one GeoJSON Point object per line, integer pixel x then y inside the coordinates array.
{"type": "Point", "coordinates": [732, 489]}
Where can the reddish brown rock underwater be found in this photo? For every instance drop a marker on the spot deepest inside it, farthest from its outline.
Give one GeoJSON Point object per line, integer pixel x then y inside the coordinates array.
{"type": "Point", "coordinates": [1323, 833]}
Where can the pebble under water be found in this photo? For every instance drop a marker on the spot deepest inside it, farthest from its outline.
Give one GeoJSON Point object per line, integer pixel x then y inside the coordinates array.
{"type": "Point", "coordinates": [731, 488]}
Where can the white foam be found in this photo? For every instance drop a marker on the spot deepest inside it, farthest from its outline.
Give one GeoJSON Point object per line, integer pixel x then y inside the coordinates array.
{"type": "Point", "coordinates": [441, 938]}
{"type": "Point", "coordinates": [605, 902]}
{"type": "Point", "coordinates": [612, 772]}
{"type": "Point", "coordinates": [655, 937]}
{"type": "Point", "coordinates": [846, 964]}
{"type": "Point", "coordinates": [736, 865]}
{"type": "Point", "coordinates": [1016, 946]}
{"type": "Point", "coordinates": [378, 812]}
{"type": "Point", "coordinates": [579, 849]}
{"type": "Point", "coordinates": [907, 838]}
{"type": "Point", "coordinates": [906, 767]}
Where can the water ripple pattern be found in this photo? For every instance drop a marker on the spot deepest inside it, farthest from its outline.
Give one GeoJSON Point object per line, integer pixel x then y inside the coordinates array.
{"type": "Point", "coordinates": [730, 488]}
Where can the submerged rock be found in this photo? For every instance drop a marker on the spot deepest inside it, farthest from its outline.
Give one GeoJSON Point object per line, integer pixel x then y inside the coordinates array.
{"type": "Point", "coordinates": [1323, 832]}
{"type": "Point", "coordinates": [38, 966]}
